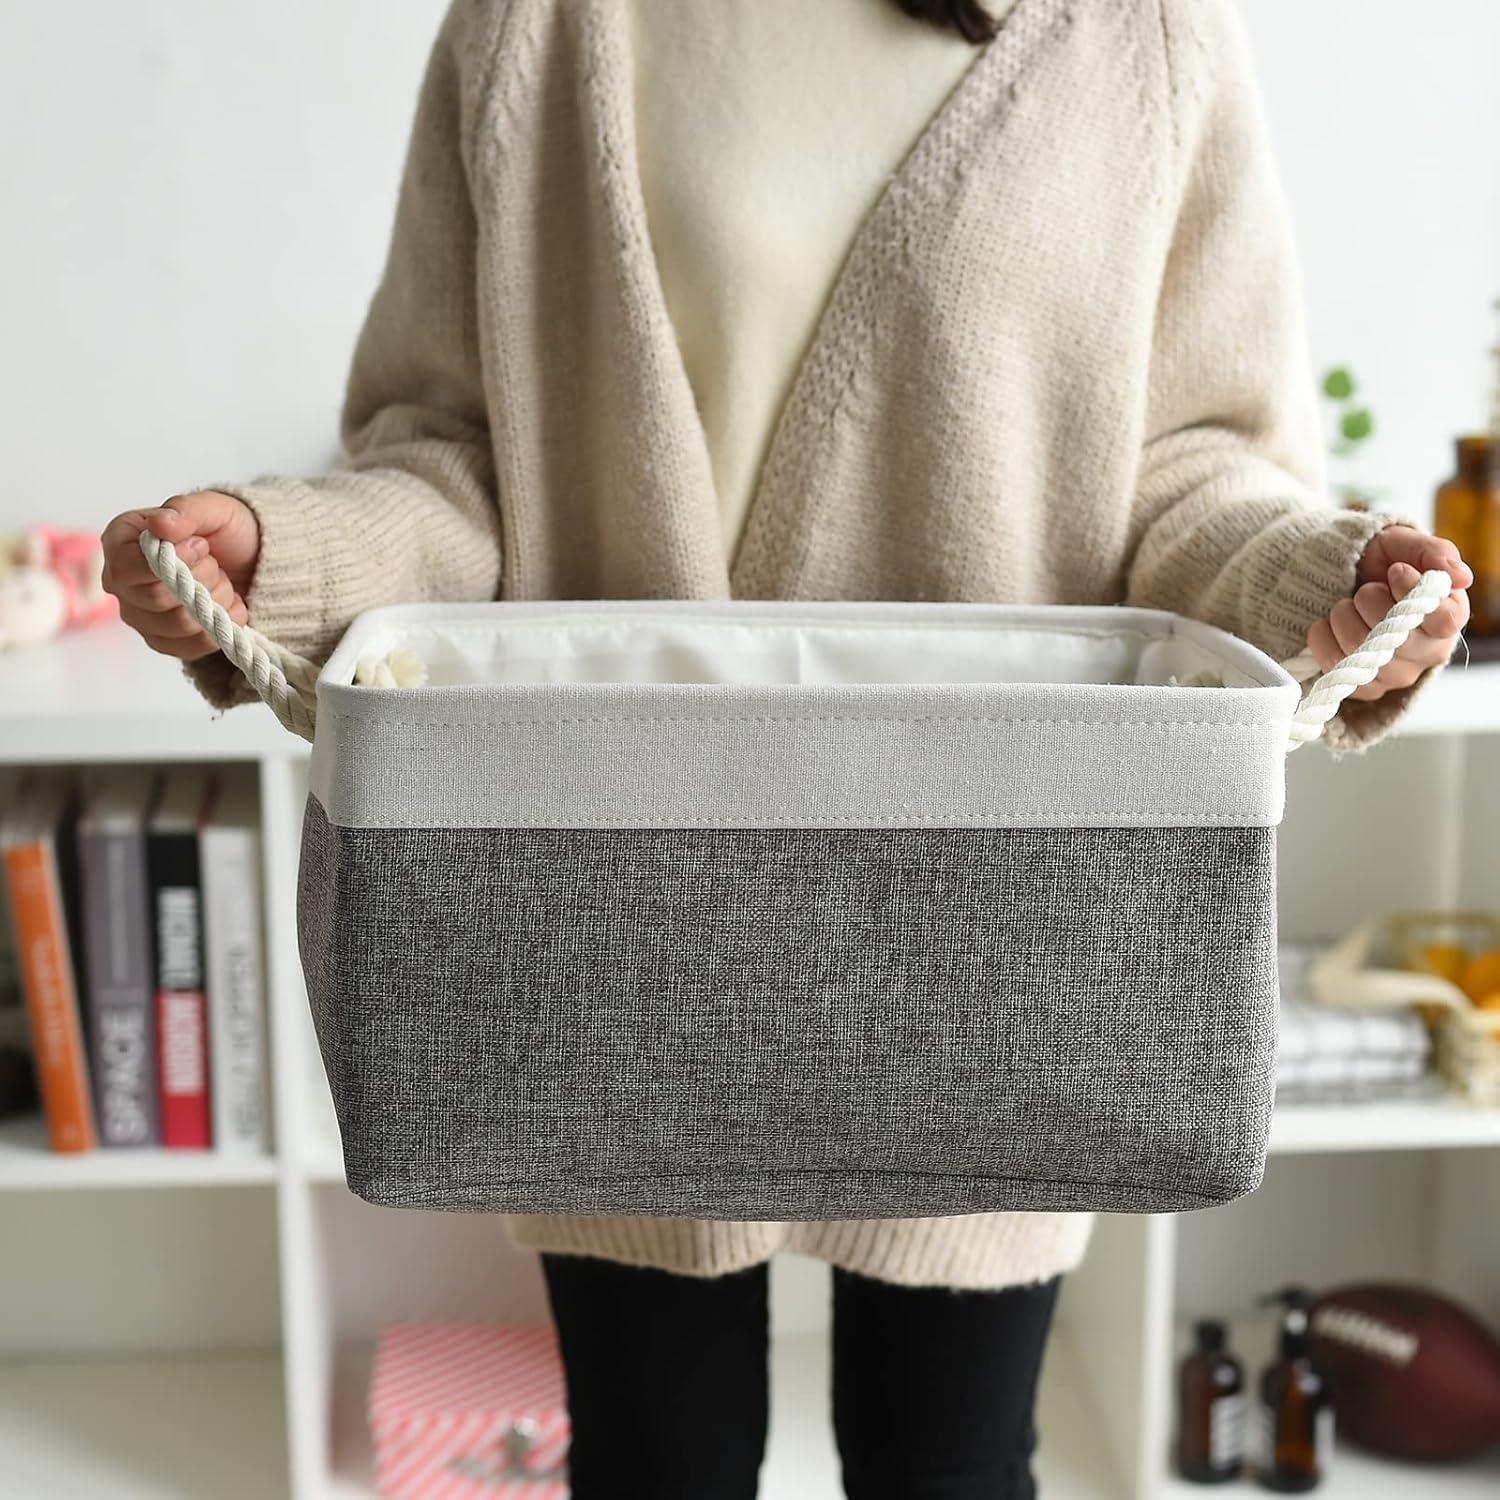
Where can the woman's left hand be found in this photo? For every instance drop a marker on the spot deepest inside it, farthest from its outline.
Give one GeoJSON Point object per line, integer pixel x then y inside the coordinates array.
{"type": "Point", "coordinates": [1392, 564]}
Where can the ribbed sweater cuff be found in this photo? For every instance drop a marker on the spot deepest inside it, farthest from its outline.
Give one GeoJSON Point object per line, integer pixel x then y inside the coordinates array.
{"type": "Point", "coordinates": [1309, 563]}
{"type": "Point", "coordinates": [287, 598]}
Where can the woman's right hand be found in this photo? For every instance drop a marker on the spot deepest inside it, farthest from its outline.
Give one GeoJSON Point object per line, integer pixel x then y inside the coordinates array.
{"type": "Point", "coordinates": [215, 534]}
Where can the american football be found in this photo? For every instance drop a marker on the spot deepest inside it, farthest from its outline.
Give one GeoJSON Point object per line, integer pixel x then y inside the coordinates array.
{"type": "Point", "coordinates": [1411, 1374]}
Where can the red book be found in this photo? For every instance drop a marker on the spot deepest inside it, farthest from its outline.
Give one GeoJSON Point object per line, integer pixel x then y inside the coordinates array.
{"type": "Point", "coordinates": [176, 891]}
{"type": "Point", "coordinates": [37, 841]}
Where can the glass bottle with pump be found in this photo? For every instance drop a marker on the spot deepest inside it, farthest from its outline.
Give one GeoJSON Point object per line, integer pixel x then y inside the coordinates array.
{"type": "Point", "coordinates": [1210, 1410]}
{"type": "Point", "coordinates": [1294, 1420]}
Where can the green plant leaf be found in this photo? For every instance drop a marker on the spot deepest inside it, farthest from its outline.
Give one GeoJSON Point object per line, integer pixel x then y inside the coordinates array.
{"type": "Point", "coordinates": [1338, 384]}
{"type": "Point", "coordinates": [1357, 425]}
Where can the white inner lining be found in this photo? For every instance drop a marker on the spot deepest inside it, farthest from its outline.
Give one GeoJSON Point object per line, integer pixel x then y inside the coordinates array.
{"type": "Point", "coordinates": [636, 646]}
{"type": "Point", "coordinates": [775, 713]}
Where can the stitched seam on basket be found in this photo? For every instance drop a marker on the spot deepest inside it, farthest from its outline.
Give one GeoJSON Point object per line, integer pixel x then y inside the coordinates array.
{"type": "Point", "coordinates": [758, 1171]}
{"type": "Point", "coordinates": [644, 823]}
{"type": "Point", "coordinates": [504, 720]}
{"type": "Point", "coordinates": [600, 623]}
{"type": "Point", "coordinates": [537, 624]}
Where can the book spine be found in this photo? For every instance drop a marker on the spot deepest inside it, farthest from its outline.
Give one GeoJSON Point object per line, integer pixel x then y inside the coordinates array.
{"type": "Point", "coordinates": [232, 939]}
{"type": "Point", "coordinates": [181, 1005]}
{"type": "Point", "coordinates": [47, 976]}
{"type": "Point", "coordinates": [118, 963]}
{"type": "Point", "coordinates": [10, 972]}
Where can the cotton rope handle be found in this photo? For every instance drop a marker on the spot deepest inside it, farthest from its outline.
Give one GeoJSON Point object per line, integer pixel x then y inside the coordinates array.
{"type": "Point", "coordinates": [1363, 665]}
{"type": "Point", "coordinates": [287, 682]}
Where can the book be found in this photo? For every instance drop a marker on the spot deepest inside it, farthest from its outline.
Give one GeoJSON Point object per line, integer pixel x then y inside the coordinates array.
{"type": "Point", "coordinates": [18, 1095]}
{"type": "Point", "coordinates": [117, 942]}
{"type": "Point", "coordinates": [176, 906]}
{"type": "Point", "coordinates": [37, 840]}
{"type": "Point", "coordinates": [229, 855]}
{"type": "Point", "coordinates": [10, 973]}
{"type": "Point", "coordinates": [11, 1014]}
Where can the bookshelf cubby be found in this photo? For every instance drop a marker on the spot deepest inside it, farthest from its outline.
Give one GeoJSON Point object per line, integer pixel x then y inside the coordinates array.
{"type": "Point", "coordinates": [180, 1324]}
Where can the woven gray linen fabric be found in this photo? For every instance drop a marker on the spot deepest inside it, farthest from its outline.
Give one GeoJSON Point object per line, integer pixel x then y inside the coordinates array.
{"type": "Point", "coordinates": [794, 1023]}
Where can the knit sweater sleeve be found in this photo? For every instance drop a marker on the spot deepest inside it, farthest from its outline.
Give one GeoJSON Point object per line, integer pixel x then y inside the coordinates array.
{"type": "Point", "coordinates": [411, 513]}
{"type": "Point", "coordinates": [1232, 524]}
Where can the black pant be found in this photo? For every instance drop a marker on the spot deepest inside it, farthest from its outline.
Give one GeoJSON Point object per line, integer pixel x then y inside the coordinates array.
{"type": "Point", "coordinates": [933, 1390]}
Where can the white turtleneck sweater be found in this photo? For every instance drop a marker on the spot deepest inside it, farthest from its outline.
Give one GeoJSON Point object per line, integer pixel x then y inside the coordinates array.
{"type": "Point", "coordinates": [766, 131]}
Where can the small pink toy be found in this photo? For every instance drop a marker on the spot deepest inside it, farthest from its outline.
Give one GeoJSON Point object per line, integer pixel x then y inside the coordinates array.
{"type": "Point", "coordinates": [77, 561]}
{"type": "Point", "coordinates": [51, 581]}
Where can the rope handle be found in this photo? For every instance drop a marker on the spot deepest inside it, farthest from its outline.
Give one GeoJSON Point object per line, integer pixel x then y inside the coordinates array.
{"type": "Point", "coordinates": [288, 682]}
{"type": "Point", "coordinates": [1363, 665]}
{"type": "Point", "coordinates": [285, 681]}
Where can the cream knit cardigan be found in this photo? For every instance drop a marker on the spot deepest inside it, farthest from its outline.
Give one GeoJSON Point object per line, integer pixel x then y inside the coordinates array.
{"type": "Point", "coordinates": [1063, 361]}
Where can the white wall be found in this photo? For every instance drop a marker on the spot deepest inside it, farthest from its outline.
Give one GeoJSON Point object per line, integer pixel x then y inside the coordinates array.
{"type": "Point", "coordinates": [1386, 116]}
{"type": "Point", "coordinates": [194, 199]}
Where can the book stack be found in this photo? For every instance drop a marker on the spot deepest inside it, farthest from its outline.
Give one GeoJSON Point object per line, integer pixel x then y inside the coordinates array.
{"type": "Point", "coordinates": [134, 907]}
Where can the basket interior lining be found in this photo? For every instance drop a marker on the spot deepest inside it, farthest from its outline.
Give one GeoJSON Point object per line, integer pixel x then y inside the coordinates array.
{"type": "Point", "coordinates": [645, 650]}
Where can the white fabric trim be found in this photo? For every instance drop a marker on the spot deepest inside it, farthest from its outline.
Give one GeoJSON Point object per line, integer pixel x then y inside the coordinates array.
{"type": "Point", "coordinates": [577, 714]}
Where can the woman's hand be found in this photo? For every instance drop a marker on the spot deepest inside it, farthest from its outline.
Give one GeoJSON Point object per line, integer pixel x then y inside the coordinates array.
{"type": "Point", "coordinates": [216, 535]}
{"type": "Point", "coordinates": [1391, 566]}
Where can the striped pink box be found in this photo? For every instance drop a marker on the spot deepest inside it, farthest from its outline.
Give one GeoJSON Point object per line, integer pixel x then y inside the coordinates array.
{"type": "Point", "coordinates": [460, 1410]}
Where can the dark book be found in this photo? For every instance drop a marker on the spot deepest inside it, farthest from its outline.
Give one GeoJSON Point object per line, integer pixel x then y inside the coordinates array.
{"type": "Point", "coordinates": [177, 931]}
{"type": "Point", "coordinates": [12, 1019]}
{"type": "Point", "coordinates": [115, 918]}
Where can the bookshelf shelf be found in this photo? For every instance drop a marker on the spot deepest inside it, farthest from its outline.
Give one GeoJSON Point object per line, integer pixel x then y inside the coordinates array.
{"type": "Point", "coordinates": [59, 697]}
{"type": "Point", "coordinates": [27, 1165]}
{"type": "Point", "coordinates": [1460, 700]}
{"type": "Point", "coordinates": [1435, 1125]}
{"type": "Point", "coordinates": [1357, 1476]}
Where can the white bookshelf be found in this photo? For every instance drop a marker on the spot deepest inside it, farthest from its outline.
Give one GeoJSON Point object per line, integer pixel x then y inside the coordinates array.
{"type": "Point", "coordinates": [176, 1324]}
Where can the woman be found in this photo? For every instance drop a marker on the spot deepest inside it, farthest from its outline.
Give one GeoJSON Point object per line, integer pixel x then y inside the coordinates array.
{"type": "Point", "coordinates": [776, 299]}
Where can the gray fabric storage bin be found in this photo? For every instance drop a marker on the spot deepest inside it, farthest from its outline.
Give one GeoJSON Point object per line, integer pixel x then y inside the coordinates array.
{"type": "Point", "coordinates": [796, 911]}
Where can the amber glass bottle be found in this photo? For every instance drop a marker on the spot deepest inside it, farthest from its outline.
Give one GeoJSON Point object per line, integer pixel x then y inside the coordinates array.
{"type": "Point", "coordinates": [1295, 1420]}
{"type": "Point", "coordinates": [1210, 1410]}
{"type": "Point", "coordinates": [1467, 513]}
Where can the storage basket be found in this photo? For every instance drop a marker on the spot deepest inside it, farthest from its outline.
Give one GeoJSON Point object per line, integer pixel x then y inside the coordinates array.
{"type": "Point", "coordinates": [764, 910]}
